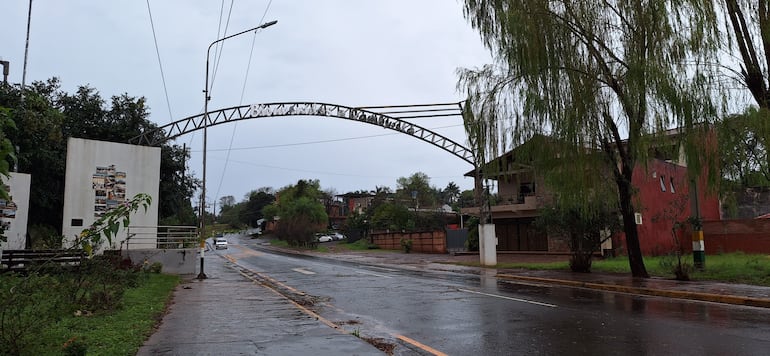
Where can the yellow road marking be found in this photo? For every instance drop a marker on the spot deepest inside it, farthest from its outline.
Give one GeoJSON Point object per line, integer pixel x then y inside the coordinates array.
{"type": "Point", "coordinates": [421, 345]}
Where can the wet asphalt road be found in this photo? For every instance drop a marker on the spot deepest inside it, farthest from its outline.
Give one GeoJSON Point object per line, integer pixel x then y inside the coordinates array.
{"type": "Point", "coordinates": [464, 314]}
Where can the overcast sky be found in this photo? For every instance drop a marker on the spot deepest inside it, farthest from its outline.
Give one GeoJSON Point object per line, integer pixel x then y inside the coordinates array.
{"type": "Point", "coordinates": [347, 52]}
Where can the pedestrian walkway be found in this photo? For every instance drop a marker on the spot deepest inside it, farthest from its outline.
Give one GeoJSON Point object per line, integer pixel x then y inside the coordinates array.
{"type": "Point", "coordinates": [229, 314]}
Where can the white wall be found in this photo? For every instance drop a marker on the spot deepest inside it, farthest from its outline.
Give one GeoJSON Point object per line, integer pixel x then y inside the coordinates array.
{"type": "Point", "coordinates": [141, 165]}
{"type": "Point", "coordinates": [15, 214]}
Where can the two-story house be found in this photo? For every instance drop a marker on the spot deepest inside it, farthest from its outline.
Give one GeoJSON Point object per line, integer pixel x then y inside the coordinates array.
{"type": "Point", "coordinates": [663, 197]}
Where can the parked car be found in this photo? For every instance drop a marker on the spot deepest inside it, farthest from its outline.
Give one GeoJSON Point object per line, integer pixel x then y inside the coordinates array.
{"type": "Point", "coordinates": [323, 238]}
{"type": "Point", "coordinates": [338, 236]}
{"type": "Point", "coordinates": [220, 243]}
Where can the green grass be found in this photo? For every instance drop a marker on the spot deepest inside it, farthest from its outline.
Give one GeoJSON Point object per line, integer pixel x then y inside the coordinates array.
{"type": "Point", "coordinates": [359, 245]}
{"type": "Point", "coordinates": [279, 243]}
{"type": "Point", "coordinates": [732, 267]}
{"type": "Point", "coordinates": [121, 332]}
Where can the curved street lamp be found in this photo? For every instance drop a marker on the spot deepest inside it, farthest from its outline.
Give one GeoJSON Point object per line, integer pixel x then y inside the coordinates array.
{"type": "Point", "coordinates": [206, 99]}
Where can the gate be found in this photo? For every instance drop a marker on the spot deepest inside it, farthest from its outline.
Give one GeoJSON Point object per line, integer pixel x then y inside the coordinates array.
{"type": "Point", "coordinates": [455, 240]}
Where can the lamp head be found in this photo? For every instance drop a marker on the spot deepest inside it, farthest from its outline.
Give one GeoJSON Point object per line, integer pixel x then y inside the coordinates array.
{"type": "Point", "coordinates": [268, 24]}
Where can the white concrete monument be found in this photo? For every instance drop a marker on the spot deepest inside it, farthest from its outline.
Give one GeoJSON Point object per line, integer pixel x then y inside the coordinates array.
{"type": "Point", "coordinates": [100, 175]}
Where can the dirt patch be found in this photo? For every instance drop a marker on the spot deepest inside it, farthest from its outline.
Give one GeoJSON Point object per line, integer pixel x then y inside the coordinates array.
{"type": "Point", "coordinates": [381, 344]}
{"type": "Point", "coordinates": [348, 322]}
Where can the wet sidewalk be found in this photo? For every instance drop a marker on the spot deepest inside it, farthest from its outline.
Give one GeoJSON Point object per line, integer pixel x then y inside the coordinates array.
{"type": "Point", "coordinates": [230, 314]}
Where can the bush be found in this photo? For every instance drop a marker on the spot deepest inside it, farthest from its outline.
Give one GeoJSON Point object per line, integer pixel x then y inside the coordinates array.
{"type": "Point", "coordinates": [406, 244]}
{"type": "Point", "coordinates": [28, 303]}
{"type": "Point", "coordinates": [39, 299]}
{"type": "Point", "coordinates": [674, 264]}
{"type": "Point", "coordinates": [156, 267]}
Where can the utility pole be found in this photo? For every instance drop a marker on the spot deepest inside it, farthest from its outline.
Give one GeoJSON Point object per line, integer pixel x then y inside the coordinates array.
{"type": "Point", "coordinates": [26, 52]}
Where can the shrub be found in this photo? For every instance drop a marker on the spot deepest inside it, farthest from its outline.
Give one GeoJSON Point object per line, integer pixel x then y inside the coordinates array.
{"type": "Point", "coordinates": [406, 244]}
{"type": "Point", "coordinates": [156, 267]}
{"type": "Point", "coordinates": [28, 302]}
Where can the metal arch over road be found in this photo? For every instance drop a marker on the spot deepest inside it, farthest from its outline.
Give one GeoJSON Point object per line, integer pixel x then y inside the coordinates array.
{"type": "Point", "coordinates": [389, 117]}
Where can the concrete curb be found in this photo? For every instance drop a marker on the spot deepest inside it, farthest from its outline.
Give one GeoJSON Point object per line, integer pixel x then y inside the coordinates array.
{"type": "Point", "coordinates": [706, 297]}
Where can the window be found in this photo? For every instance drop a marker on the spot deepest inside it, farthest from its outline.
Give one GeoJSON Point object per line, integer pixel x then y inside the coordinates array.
{"type": "Point", "coordinates": [672, 185]}
{"type": "Point", "coordinates": [662, 183]}
{"type": "Point", "coordinates": [76, 222]}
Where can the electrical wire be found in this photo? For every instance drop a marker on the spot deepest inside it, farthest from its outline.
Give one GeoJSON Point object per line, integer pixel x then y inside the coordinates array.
{"type": "Point", "coordinates": [243, 91]}
{"type": "Point", "coordinates": [160, 63]}
{"type": "Point", "coordinates": [316, 142]}
{"type": "Point", "coordinates": [217, 52]}
{"type": "Point", "coordinates": [322, 172]}
{"type": "Point", "coordinates": [220, 50]}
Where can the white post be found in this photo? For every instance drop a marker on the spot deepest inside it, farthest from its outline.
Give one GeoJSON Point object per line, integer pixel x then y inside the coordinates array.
{"type": "Point", "coordinates": [487, 245]}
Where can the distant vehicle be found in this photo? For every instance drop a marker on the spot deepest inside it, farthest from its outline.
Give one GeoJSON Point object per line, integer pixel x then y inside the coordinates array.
{"type": "Point", "coordinates": [338, 236]}
{"type": "Point", "coordinates": [323, 238]}
{"type": "Point", "coordinates": [220, 243]}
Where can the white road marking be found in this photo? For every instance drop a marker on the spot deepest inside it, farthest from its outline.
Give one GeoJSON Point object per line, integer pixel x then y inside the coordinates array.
{"type": "Point", "coordinates": [303, 271]}
{"type": "Point", "coordinates": [373, 274]}
{"type": "Point", "coordinates": [509, 298]}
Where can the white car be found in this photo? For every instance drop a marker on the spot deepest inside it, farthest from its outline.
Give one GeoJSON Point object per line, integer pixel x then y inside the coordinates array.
{"type": "Point", "coordinates": [324, 238]}
{"type": "Point", "coordinates": [220, 243]}
{"type": "Point", "coordinates": [338, 236]}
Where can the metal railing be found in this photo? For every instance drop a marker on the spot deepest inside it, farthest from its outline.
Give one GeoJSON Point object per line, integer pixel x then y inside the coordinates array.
{"type": "Point", "coordinates": [161, 237]}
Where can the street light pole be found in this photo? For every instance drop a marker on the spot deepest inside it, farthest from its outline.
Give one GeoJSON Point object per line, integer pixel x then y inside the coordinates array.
{"type": "Point", "coordinates": [206, 98]}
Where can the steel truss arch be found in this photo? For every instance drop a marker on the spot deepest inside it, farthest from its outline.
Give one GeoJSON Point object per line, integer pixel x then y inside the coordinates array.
{"type": "Point", "coordinates": [391, 120]}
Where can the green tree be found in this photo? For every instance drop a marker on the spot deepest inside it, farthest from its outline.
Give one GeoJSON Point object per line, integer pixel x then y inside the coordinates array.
{"type": "Point", "coordinates": [50, 116]}
{"type": "Point", "coordinates": [231, 214]}
{"type": "Point", "coordinates": [300, 211]}
{"type": "Point", "coordinates": [748, 33]}
{"type": "Point", "coordinates": [451, 194]}
{"type": "Point", "coordinates": [6, 152]}
{"type": "Point", "coordinates": [253, 209]}
{"type": "Point", "coordinates": [417, 190]}
{"type": "Point", "coordinates": [588, 73]}
{"type": "Point", "coordinates": [41, 148]}
{"type": "Point", "coordinates": [392, 216]}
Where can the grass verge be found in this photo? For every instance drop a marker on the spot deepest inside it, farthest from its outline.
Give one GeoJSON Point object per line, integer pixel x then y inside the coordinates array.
{"type": "Point", "coordinates": [732, 267]}
{"type": "Point", "coordinates": [121, 332]}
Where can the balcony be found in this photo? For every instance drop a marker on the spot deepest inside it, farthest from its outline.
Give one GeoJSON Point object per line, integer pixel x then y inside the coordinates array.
{"type": "Point", "coordinates": [510, 208]}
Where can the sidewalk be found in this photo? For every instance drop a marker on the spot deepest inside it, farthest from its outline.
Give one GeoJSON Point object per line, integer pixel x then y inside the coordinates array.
{"type": "Point", "coordinates": [229, 314]}
{"type": "Point", "coordinates": [729, 293]}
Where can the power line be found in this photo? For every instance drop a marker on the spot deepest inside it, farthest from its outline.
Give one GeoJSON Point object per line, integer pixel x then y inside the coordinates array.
{"type": "Point", "coordinates": [220, 49]}
{"type": "Point", "coordinates": [322, 172]}
{"type": "Point", "coordinates": [243, 91]}
{"type": "Point", "coordinates": [317, 142]}
{"type": "Point", "coordinates": [160, 64]}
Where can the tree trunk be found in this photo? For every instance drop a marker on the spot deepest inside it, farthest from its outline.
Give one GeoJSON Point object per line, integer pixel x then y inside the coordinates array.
{"type": "Point", "coordinates": [635, 260]}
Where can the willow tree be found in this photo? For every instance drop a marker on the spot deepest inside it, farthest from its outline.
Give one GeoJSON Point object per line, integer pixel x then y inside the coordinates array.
{"type": "Point", "coordinates": [744, 138]}
{"type": "Point", "coordinates": [602, 77]}
{"type": "Point", "coordinates": [748, 33]}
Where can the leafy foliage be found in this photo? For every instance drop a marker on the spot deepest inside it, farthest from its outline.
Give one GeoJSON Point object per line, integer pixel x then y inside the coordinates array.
{"type": "Point", "coordinates": [585, 228]}
{"type": "Point", "coordinates": [585, 74]}
{"type": "Point", "coordinates": [108, 225]}
{"type": "Point", "coordinates": [746, 31]}
{"type": "Point", "coordinates": [300, 212]}
{"type": "Point", "coordinates": [6, 151]}
{"type": "Point", "coordinates": [743, 143]}
{"type": "Point", "coordinates": [416, 191]}
{"type": "Point", "coordinates": [50, 116]}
